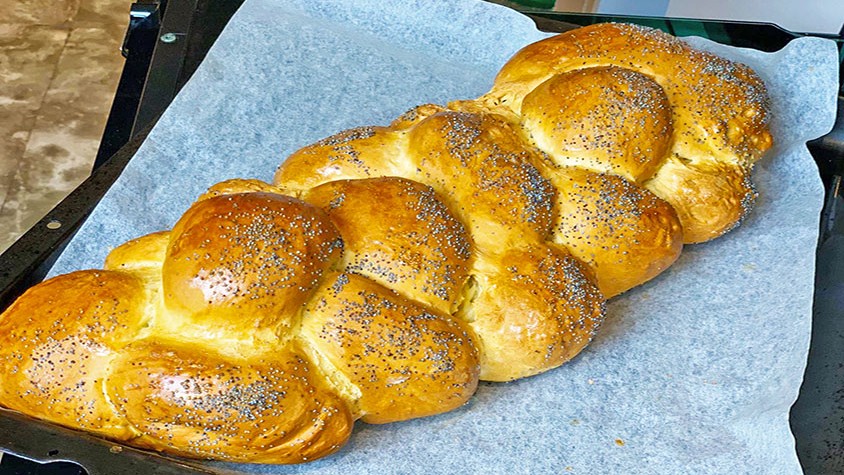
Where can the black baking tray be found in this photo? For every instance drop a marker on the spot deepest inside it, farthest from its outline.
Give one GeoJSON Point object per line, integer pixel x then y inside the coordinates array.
{"type": "Point", "coordinates": [154, 72]}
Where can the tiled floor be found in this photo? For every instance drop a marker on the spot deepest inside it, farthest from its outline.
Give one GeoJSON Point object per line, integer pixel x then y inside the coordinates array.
{"type": "Point", "coordinates": [59, 67]}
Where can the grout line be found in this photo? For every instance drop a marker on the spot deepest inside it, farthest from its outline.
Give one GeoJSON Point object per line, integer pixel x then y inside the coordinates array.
{"type": "Point", "coordinates": [52, 78]}
{"type": "Point", "coordinates": [36, 113]}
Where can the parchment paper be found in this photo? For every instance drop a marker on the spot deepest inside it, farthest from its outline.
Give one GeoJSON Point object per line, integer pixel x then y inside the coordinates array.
{"type": "Point", "coordinates": [693, 372]}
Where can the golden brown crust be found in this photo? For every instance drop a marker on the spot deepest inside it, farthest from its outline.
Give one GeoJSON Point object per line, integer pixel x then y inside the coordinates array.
{"type": "Point", "coordinates": [398, 233]}
{"type": "Point", "coordinates": [56, 346]}
{"type": "Point", "coordinates": [140, 254]}
{"type": "Point", "coordinates": [274, 409]}
{"type": "Point", "coordinates": [713, 98]}
{"type": "Point", "coordinates": [248, 332]}
{"type": "Point", "coordinates": [719, 109]}
{"type": "Point", "coordinates": [625, 233]}
{"type": "Point", "coordinates": [243, 263]}
{"type": "Point", "coordinates": [363, 152]}
{"type": "Point", "coordinates": [533, 309]}
{"type": "Point", "coordinates": [240, 185]}
{"type": "Point", "coordinates": [715, 196]}
{"type": "Point", "coordinates": [407, 361]}
{"type": "Point", "coordinates": [606, 119]}
{"type": "Point", "coordinates": [479, 163]}
{"type": "Point", "coordinates": [415, 115]}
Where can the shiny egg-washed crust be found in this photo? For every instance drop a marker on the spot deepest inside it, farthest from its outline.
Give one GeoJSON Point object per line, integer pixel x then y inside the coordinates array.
{"type": "Point", "coordinates": [234, 337]}
{"type": "Point", "coordinates": [388, 269]}
{"type": "Point", "coordinates": [622, 231]}
{"type": "Point", "coordinates": [480, 168]}
{"type": "Point", "coordinates": [192, 402]}
{"type": "Point", "coordinates": [57, 343]}
{"type": "Point", "coordinates": [426, 259]}
{"type": "Point", "coordinates": [413, 362]}
{"type": "Point", "coordinates": [719, 115]}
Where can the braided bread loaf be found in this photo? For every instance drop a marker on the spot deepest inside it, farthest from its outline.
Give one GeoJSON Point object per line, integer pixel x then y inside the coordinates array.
{"type": "Point", "coordinates": [388, 269]}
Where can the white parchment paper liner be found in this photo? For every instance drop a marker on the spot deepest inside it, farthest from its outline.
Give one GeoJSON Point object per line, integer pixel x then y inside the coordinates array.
{"type": "Point", "coordinates": [693, 372]}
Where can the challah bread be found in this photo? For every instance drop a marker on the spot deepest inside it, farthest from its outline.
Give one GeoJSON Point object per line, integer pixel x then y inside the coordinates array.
{"type": "Point", "coordinates": [569, 89]}
{"type": "Point", "coordinates": [399, 234]}
{"type": "Point", "coordinates": [624, 232]}
{"type": "Point", "coordinates": [387, 269]}
{"type": "Point", "coordinates": [481, 166]}
{"type": "Point", "coordinates": [57, 343]}
{"type": "Point", "coordinates": [238, 335]}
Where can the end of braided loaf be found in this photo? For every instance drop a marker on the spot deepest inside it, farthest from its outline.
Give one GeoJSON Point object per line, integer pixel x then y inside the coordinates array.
{"type": "Point", "coordinates": [695, 122]}
{"type": "Point", "coordinates": [388, 269]}
{"type": "Point", "coordinates": [243, 333]}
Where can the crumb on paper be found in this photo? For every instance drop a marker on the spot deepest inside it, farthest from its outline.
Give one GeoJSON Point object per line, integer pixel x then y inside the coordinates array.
{"type": "Point", "coordinates": [749, 267]}
{"type": "Point", "coordinates": [619, 442]}
{"type": "Point", "coordinates": [575, 422]}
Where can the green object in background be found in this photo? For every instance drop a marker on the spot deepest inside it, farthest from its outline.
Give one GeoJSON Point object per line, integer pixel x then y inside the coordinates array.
{"type": "Point", "coordinates": [536, 3]}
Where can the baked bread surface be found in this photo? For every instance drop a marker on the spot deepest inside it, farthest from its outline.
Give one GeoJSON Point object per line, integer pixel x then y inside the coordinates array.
{"type": "Point", "coordinates": [388, 269]}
